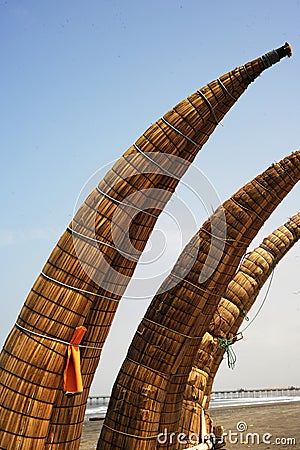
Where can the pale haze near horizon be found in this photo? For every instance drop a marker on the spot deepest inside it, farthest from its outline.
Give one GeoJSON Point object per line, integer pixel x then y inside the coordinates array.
{"type": "Point", "coordinates": [80, 84]}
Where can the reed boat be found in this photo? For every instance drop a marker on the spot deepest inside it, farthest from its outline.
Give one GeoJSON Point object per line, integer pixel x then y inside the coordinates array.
{"type": "Point", "coordinates": [148, 393]}
{"type": "Point", "coordinates": [225, 327]}
{"type": "Point", "coordinates": [73, 301]}
{"type": "Point", "coordinates": [210, 104]}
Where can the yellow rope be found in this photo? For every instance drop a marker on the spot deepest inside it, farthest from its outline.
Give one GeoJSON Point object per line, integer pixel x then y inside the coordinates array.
{"type": "Point", "coordinates": [130, 435]}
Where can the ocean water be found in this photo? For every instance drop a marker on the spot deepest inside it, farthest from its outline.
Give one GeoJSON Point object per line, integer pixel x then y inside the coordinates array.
{"type": "Point", "coordinates": [94, 410]}
{"type": "Point", "coordinates": [246, 401]}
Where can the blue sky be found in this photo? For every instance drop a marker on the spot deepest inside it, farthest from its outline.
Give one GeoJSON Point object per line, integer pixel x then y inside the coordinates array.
{"type": "Point", "coordinates": [80, 81]}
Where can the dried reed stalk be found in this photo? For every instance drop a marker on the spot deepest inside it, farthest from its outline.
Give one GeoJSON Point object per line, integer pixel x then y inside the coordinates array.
{"type": "Point", "coordinates": [197, 117]}
{"type": "Point", "coordinates": [239, 297]}
{"type": "Point", "coordinates": [149, 390]}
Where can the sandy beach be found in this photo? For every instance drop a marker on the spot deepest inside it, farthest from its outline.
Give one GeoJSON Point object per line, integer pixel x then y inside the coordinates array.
{"type": "Point", "coordinates": [274, 426]}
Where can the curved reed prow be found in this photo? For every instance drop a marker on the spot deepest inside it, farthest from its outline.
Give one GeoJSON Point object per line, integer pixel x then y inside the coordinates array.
{"type": "Point", "coordinates": [86, 274]}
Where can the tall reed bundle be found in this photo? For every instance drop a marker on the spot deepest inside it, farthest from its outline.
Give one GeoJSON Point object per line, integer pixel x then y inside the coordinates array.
{"type": "Point", "coordinates": [181, 132]}
{"type": "Point", "coordinates": [239, 297]}
{"type": "Point", "coordinates": [175, 391]}
{"type": "Point", "coordinates": [75, 287]}
{"type": "Point", "coordinates": [148, 392]}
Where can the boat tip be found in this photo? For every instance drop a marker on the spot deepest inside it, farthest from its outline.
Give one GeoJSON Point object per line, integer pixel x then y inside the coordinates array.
{"type": "Point", "coordinates": [285, 50]}
{"type": "Point", "coordinates": [274, 56]}
{"type": "Point", "coordinates": [289, 49]}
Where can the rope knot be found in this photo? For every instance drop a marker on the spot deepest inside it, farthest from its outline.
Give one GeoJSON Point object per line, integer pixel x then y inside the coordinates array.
{"type": "Point", "coordinates": [225, 344]}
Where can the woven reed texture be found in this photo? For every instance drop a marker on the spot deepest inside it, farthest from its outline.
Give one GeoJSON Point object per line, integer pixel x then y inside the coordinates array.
{"type": "Point", "coordinates": [33, 366]}
{"type": "Point", "coordinates": [196, 119]}
{"type": "Point", "coordinates": [176, 386]}
{"type": "Point", "coordinates": [239, 297]}
{"type": "Point", "coordinates": [148, 392]}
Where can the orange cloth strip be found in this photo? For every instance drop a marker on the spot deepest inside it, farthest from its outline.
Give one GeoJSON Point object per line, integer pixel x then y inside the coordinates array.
{"type": "Point", "coordinates": [72, 373]}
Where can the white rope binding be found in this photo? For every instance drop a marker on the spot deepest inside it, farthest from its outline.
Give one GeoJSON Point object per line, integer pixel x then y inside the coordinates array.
{"type": "Point", "coordinates": [50, 338]}
{"type": "Point", "coordinates": [97, 241]}
{"type": "Point", "coordinates": [209, 106]}
{"type": "Point", "coordinates": [248, 74]}
{"type": "Point", "coordinates": [224, 88]}
{"type": "Point", "coordinates": [125, 204]}
{"type": "Point", "coordinates": [179, 132]}
{"type": "Point", "coordinates": [156, 163]}
{"type": "Point", "coordinates": [78, 289]}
